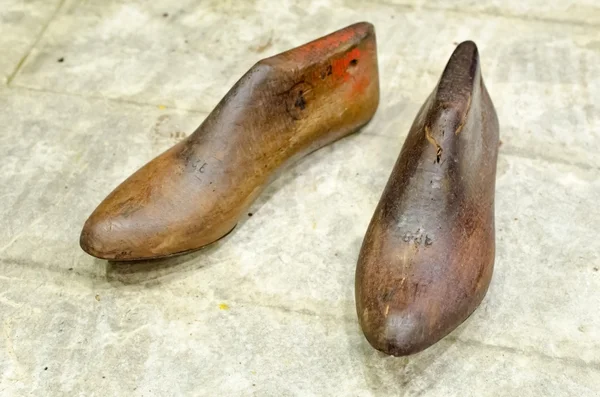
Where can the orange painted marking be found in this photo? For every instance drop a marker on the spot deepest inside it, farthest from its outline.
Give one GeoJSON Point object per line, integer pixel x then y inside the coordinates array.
{"type": "Point", "coordinates": [340, 65]}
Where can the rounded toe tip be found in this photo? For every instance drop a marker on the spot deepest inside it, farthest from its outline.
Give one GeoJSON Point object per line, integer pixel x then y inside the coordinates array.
{"type": "Point", "coordinates": [398, 334]}
{"type": "Point", "coordinates": [95, 241]}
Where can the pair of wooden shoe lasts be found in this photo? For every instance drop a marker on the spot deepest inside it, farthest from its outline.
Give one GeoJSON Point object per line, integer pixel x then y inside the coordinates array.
{"type": "Point", "coordinates": [427, 256]}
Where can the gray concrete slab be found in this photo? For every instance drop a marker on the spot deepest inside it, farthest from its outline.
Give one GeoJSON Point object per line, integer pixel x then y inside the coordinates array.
{"type": "Point", "coordinates": [191, 57]}
{"type": "Point", "coordinates": [269, 310]}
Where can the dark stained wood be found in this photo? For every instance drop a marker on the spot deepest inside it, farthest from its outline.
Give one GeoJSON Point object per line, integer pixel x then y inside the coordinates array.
{"type": "Point", "coordinates": [428, 254]}
{"type": "Point", "coordinates": [283, 108]}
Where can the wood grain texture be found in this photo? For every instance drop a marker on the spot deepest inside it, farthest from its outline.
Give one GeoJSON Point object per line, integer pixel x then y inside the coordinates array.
{"type": "Point", "coordinates": [428, 254]}
{"type": "Point", "coordinates": [283, 108]}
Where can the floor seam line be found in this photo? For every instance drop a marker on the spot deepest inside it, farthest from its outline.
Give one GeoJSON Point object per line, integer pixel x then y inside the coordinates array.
{"type": "Point", "coordinates": [105, 98]}
{"type": "Point", "coordinates": [570, 361]}
{"type": "Point", "coordinates": [513, 16]}
{"type": "Point", "coordinates": [515, 152]}
{"type": "Point", "coordinates": [24, 58]}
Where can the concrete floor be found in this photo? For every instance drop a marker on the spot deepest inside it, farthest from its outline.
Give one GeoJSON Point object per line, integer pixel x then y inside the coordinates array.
{"type": "Point", "coordinates": [94, 89]}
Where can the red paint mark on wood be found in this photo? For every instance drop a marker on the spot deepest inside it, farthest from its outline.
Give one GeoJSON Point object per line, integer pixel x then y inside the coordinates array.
{"type": "Point", "coordinates": [340, 66]}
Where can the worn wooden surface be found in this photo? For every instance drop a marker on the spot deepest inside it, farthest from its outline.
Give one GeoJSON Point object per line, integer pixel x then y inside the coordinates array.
{"type": "Point", "coordinates": [427, 257]}
{"type": "Point", "coordinates": [285, 107]}
{"type": "Point", "coordinates": [270, 309]}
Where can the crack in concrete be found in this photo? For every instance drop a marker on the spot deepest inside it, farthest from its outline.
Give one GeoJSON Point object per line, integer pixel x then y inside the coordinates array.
{"type": "Point", "coordinates": [465, 11]}
{"type": "Point", "coordinates": [23, 59]}
{"type": "Point", "coordinates": [571, 361]}
{"type": "Point", "coordinates": [109, 99]}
